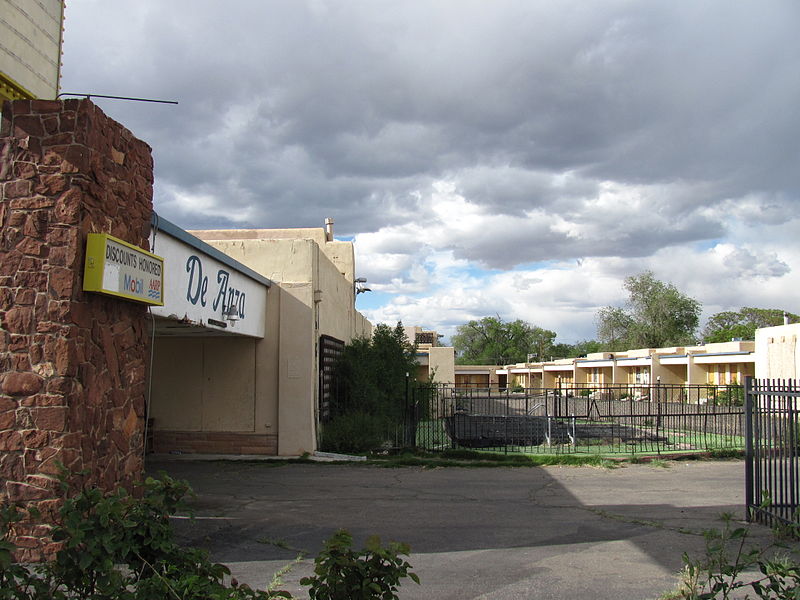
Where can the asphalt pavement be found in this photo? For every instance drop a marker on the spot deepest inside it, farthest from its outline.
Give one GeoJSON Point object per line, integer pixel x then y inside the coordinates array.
{"type": "Point", "coordinates": [475, 533]}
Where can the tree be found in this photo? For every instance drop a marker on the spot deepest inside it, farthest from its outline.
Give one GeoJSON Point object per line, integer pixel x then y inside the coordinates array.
{"type": "Point", "coordinates": [726, 325]}
{"type": "Point", "coordinates": [372, 376]}
{"type": "Point", "coordinates": [614, 327]}
{"type": "Point", "coordinates": [581, 348]}
{"type": "Point", "coordinates": [371, 372]}
{"type": "Point", "coordinates": [658, 315]}
{"type": "Point", "coordinates": [491, 341]}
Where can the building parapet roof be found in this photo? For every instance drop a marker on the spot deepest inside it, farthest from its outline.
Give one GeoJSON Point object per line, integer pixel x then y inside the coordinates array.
{"type": "Point", "coordinates": [162, 224]}
{"type": "Point", "coordinates": [723, 353]}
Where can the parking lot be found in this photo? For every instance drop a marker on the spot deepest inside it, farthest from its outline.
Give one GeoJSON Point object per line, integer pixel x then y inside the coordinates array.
{"type": "Point", "coordinates": [489, 533]}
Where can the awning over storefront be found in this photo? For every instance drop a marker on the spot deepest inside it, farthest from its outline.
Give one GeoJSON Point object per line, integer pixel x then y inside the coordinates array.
{"type": "Point", "coordinates": [205, 291]}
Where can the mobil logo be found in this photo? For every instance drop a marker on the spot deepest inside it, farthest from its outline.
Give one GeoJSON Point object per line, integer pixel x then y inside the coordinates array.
{"type": "Point", "coordinates": [133, 285]}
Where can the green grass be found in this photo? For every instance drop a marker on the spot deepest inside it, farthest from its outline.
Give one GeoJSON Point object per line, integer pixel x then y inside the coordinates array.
{"type": "Point", "coordinates": [482, 459]}
{"type": "Point", "coordinates": [431, 434]}
{"type": "Point", "coordinates": [478, 459]}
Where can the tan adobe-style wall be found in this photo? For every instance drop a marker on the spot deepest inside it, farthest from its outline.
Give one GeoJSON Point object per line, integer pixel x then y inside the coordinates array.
{"type": "Point", "coordinates": [204, 401]}
{"type": "Point", "coordinates": [777, 352]}
{"type": "Point", "coordinates": [312, 295]}
{"type": "Point", "coordinates": [341, 254]}
{"type": "Point", "coordinates": [326, 268]}
{"type": "Point", "coordinates": [441, 365]}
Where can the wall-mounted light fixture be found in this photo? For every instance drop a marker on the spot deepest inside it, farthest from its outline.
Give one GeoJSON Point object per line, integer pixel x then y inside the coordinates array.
{"type": "Point", "coordinates": [231, 314]}
{"type": "Point", "coordinates": [359, 287]}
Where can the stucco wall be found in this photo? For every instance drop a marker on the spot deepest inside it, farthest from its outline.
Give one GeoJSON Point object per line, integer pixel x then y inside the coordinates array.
{"type": "Point", "coordinates": [442, 364]}
{"type": "Point", "coordinates": [204, 383]}
{"type": "Point", "coordinates": [777, 355]}
{"type": "Point", "coordinates": [297, 379]}
{"type": "Point", "coordinates": [339, 253]}
{"type": "Point", "coordinates": [362, 327]}
{"type": "Point", "coordinates": [312, 296]}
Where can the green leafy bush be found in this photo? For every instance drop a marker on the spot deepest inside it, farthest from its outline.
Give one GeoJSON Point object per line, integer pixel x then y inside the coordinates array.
{"type": "Point", "coordinates": [376, 393]}
{"type": "Point", "coordinates": [733, 395]}
{"type": "Point", "coordinates": [356, 432]}
{"type": "Point", "coordinates": [119, 547]}
{"type": "Point", "coordinates": [374, 573]}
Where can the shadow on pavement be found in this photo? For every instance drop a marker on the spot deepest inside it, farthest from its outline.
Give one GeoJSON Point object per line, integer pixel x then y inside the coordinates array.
{"type": "Point", "coordinates": [553, 528]}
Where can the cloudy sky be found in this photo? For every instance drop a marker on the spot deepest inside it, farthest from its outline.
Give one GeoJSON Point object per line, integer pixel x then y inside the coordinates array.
{"type": "Point", "coordinates": [517, 158]}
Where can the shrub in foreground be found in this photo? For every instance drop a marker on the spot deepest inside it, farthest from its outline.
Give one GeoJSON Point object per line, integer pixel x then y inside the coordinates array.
{"type": "Point", "coordinates": [373, 573]}
{"type": "Point", "coordinates": [119, 547]}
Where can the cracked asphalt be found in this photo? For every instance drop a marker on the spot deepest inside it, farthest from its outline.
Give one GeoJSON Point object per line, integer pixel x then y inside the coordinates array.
{"type": "Point", "coordinates": [475, 533]}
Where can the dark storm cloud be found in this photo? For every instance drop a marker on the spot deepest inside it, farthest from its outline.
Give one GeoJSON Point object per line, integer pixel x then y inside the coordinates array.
{"type": "Point", "coordinates": [536, 240]}
{"type": "Point", "coordinates": [292, 111]}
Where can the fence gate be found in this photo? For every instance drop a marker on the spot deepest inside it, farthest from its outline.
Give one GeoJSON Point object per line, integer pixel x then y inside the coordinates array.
{"type": "Point", "coordinates": [771, 473]}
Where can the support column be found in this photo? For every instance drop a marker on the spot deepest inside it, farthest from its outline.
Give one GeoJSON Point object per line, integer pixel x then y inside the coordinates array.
{"type": "Point", "coordinates": [72, 364]}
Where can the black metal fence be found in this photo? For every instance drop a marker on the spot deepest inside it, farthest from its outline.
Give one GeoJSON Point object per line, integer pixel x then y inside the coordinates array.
{"type": "Point", "coordinates": [772, 479]}
{"type": "Point", "coordinates": [629, 419]}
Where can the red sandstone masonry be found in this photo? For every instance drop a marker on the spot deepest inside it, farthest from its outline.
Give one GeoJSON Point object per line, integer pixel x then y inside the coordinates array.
{"type": "Point", "coordinates": [210, 442]}
{"type": "Point", "coordinates": [72, 365]}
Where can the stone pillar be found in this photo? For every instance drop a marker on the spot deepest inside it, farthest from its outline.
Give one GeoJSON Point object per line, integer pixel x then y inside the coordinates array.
{"type": "Point", "coordinates": [72, 364]}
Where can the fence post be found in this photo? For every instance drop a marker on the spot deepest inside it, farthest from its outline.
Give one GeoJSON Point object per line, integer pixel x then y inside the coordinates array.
{"type": "Point", "coordinates": [406, 417]}
{"type": "Point", "coordinates": [792, 424]}
{"type": "Point", "coordinates": [658, 404]}
{"type": "Point", "coordinates": [508, 402]}
{"type": "Point", "coordinates": [748, 442]}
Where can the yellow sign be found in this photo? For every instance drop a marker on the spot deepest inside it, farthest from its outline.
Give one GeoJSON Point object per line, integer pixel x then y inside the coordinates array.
{"type": "Point", "coordinates": [117, 268]}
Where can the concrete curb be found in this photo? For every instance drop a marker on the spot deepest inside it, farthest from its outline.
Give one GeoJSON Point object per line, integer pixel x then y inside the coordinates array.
{"type": "Point", "coordinates": [316, 457]}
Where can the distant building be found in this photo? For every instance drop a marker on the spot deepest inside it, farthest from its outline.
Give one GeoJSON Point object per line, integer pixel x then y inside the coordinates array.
{"type": "Point", "coordinates": [30, 49]}
{"type": "Point", "coordinates": [436, 363]}
{"type": "Point", "coordinates": [480, 376]}
{"type": "Point", "coordinates": [715, 364]}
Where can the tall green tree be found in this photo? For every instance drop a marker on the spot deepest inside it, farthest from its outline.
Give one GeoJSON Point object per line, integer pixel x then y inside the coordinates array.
{"type": "Point", "coordinates": [372, 375]}
{"type": "Point", "coordinates": [492, 341]}
{"type": "Point", "coordinates": [614, 327]}
{"type": "Point", "coordinates": [726, 325]}
{"type": "Point", "coordinates": [371, 372]}
{"type": "Point", "coordinates": [657, 315]}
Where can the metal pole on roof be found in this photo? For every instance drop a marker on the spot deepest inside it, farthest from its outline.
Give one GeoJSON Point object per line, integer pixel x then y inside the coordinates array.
{"type": "Point", "coordinates": [90, 96]}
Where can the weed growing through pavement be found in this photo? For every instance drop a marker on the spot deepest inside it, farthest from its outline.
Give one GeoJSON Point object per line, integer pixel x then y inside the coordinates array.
{"type": "Point", "coordinates": [730, 567]}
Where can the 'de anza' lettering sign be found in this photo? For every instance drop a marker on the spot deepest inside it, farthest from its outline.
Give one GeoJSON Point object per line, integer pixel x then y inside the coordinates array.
{"type": "Point", "coordinates": [116, 268]}
{"type": "Point", "coordinates": [206, 288]}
